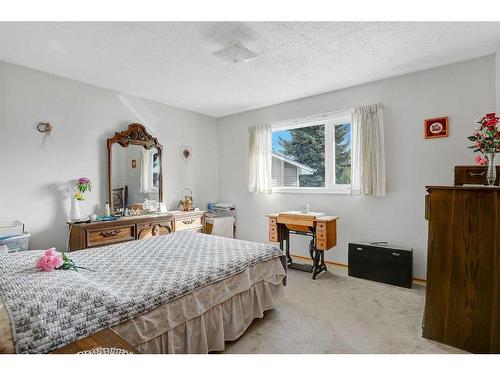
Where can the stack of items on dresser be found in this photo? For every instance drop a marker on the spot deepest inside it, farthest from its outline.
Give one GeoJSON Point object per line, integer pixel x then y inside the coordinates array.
{"type": "Point", "coordinates": [13, 237]}
{"type": "Point", "coordinates": [221, 219]}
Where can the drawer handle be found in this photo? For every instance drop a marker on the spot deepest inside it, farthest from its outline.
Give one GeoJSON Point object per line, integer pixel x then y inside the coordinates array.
{"type": "Point", "coordinates": [396, 254]}
{"type": "Point", "coordinates": [110, 233]}
{"type": "Point", "coordinates": [476, 174]}
{"type": "Point", "coordinates": [187, 222]}
{"type": "Point", "coordinates": [359, 248]}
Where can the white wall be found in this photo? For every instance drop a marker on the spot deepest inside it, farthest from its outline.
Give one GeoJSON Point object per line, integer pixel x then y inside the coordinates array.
{"type": "Point", "coordinates": [34, 180]}
{"type": "Point", "coordinates": [497, 79]}
{"type": "Point", "coordinates": [460, 91]}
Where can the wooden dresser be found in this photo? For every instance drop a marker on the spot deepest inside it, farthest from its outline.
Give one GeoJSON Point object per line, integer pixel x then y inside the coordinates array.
{"type": "Point", "coordinates": [462, 306]}
{"type": "Point", "coordinates": [94, 234]}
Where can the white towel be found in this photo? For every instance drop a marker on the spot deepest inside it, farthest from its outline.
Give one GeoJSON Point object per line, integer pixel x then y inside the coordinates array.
{"type": "Point", "coordinates": [222, 226]}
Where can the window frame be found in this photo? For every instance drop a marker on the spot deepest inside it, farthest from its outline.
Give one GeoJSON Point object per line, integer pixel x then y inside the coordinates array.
{"type": "Point", "coordinates": [329, 120]}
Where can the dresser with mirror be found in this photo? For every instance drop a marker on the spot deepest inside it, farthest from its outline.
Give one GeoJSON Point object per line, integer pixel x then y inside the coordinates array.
{"type": "Point", "coordinates": [135, 192]}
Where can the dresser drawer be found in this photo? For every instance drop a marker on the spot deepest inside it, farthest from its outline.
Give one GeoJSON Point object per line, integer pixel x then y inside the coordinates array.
{"type": "Point", "coordinates": [320, 226]}
{"type": "Point", "coordinates": [188, 223]}
{"type": "Point", "coordinates": [99, 237]}
{"type": "Point", "coordinates": [321, 235]}
{"type": "Point", "coordinates": [321, 244]}
{"type": "Point", "coordinates": [153, 229]}
{"type": "Point", "coordinates": [273, 237]}
{"type": "Point", "coordinates": [273, 234]}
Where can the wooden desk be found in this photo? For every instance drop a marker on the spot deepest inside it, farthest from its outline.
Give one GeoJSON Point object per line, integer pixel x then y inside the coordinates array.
{"type": "Point", "coordinates": [322, 230]}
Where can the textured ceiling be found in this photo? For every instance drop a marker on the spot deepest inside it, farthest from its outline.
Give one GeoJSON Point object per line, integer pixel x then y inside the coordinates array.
{"type": "Point", "coordinates": [171, 62]}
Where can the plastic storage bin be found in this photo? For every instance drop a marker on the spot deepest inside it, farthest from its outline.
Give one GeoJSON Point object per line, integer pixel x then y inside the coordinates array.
{"type": "Point", "coordinates": [17, 243]}
{"type": "Point", "coordinates": [11, 228]}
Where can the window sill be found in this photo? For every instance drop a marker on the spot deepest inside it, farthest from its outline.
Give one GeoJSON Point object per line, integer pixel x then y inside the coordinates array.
{"type": "Point", "coordinates": [293, 190]}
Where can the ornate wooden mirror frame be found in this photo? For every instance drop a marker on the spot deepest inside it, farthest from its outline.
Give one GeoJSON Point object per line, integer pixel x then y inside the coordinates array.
{"type": "Point", "coordinates": [136, 134]}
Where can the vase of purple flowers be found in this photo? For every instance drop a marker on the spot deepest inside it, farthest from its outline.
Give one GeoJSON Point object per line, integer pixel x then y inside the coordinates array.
{"type": "Point", "coordinates": [82, 186]}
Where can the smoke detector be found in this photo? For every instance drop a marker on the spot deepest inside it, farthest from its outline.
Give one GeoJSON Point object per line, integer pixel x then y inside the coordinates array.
{"type": "Point", "coordinates": [236, 53]}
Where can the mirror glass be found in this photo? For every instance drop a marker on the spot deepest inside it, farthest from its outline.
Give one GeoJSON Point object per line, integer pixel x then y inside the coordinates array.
{"type": "Point", "coordinates": [135, 176]}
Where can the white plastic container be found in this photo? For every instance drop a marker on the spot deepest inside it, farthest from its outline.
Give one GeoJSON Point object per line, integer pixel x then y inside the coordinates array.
{"type": "Point", "coordinates": [16, 243]}
{"type": "Point", "coordinates": [11, 228]}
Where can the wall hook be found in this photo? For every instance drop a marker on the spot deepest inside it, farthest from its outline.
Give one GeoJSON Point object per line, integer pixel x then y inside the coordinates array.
{"type": "Point", "coordinates": [45, 128]}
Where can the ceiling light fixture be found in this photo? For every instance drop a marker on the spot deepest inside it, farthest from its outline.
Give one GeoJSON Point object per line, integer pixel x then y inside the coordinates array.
{"type": "Point", "coordinates": [236, 53]}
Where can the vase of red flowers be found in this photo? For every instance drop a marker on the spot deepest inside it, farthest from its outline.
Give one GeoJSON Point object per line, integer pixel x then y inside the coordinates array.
{"type": "Point", "coordinates": [486, 139]}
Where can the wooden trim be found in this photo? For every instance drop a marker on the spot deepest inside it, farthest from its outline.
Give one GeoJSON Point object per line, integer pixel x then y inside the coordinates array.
{"type": "Point", "coordinates": [106, 338]}
{"type": "Point", "coordinates": [415, 279]}
{"type": "Point", "coordinates": [462, 188]}
{"type": "Point", "coordinates": [418, 281]}
{"type": "Point", "coordinates": [135, 134]}
{"type": "Point", "coordinates": [326, 261]}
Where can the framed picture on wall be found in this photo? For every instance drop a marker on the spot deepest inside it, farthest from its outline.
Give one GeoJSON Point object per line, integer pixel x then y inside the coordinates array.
{"type": "Point", "coordinates": [436, 127]}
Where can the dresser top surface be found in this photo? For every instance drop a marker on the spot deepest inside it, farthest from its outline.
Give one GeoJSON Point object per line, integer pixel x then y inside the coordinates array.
{"type": "Point", "coordinates": [315, 216]}
{"type": "Point", "coordinates": [124, 219]}
{"type": "Point", "coordinates": [166, 215]}
{"type": "Point", "coordinates": [464, 187]}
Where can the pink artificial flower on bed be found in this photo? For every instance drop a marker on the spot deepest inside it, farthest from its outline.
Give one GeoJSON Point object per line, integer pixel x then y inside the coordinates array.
{"type": "Point", "coordinates": [49, 260]}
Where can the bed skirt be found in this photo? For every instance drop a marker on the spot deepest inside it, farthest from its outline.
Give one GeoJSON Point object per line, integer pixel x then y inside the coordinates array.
{"type": "Point", "coordinates": [198, 322]}
{"type": "Point", "coordinates": [202, 321]}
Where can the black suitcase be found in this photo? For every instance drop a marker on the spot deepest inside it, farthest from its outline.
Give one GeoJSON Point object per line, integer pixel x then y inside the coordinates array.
{"type": "Point", "coordinates": [385, 264]}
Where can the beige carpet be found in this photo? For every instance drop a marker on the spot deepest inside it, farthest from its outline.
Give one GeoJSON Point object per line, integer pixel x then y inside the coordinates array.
{"type": "Point", "coordinates": [339, 314]}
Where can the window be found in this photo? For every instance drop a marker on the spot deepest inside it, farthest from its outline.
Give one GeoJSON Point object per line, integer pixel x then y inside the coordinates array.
{"type": "Point", "coordinates": [156, 171]}
{"type": "Point", "coordinates": [312, 155]}
{"type": "Point", "coordinates": [149, 171]}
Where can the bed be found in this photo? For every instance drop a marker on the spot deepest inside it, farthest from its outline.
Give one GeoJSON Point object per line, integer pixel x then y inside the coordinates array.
{"type": "Point", "coordinates": [184, 292]}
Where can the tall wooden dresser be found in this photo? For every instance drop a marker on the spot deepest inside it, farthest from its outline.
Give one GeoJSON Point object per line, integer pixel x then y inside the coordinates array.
{"type": "Point", "coordinates": [462, 306]}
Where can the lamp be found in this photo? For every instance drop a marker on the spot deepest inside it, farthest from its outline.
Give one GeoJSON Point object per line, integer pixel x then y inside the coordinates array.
{"type": "Point", "coordinates": [236, 53]}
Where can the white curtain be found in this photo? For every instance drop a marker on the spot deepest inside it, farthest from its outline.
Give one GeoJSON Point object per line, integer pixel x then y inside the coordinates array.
{"type": "Point", "coordinates": [146, 177]}
{"type": "Point", "coordinates": [368, 161]}
{"type": "Point", "coordinates": [259, 159]}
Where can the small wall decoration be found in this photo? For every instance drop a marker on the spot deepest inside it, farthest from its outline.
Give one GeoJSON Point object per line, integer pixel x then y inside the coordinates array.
{"type": "Point", "coordinates": [45, 128]}
{"type": "Point", "coordinates": [186, 153]}
{"type": "Point", "coordinates": [134, 163]}
{"type": "Point", "coordinates": [436, 127]}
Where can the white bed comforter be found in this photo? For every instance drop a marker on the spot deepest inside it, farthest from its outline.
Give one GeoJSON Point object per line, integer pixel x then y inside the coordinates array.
{"type": "Point", "coordinates": [48, 310]}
